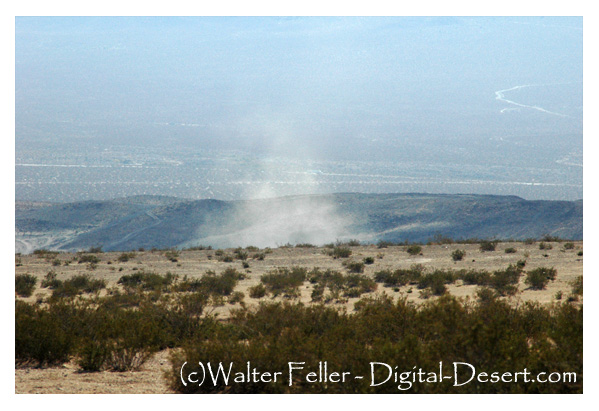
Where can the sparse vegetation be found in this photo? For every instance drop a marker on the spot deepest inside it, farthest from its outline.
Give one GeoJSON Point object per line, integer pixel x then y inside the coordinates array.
{"type": "Point", "coordinates": [121, 327]}
{"type": "Point", "coordinates": [510, 250]}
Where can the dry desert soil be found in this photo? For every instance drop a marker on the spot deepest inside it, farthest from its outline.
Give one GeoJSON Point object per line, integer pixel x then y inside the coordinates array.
{"type": "Point", "coordinates": [194, 263]}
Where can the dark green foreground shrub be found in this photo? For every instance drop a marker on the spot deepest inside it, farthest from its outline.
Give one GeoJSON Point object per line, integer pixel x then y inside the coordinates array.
{"type": "Point", "coordinates": [491, 335]}
{"type": "Point", "coordinates": [105, 334]}
{"type": "Point", "coordinates": [25, 284]}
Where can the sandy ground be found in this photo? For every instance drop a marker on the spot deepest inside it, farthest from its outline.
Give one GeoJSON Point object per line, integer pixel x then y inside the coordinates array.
{"type": "Point", "coordinates": [67, 379]}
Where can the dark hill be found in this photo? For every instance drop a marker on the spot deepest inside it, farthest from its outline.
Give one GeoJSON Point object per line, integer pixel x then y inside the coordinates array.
{"type": "Point", "coordinates": [164, 222]}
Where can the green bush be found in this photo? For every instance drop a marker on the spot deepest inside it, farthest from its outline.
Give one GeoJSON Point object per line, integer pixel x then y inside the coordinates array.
{"type": "Point", "coordinates": [490, 334]}
{"type": "Point", "coordinates": [124, 257]}
{"type": "Point", "coordinates": [510, 250]}
{"type": "Point", "coordinates": [354, 266]}
{"type": "Point", "coordinates": [538, 278]}
{"type": "Point", "coordinates": [340, 252]}
{"type": "Point", "coordinates": [284, 281]}
{"type": "Point", "coordinates": [88, 258]}
{"type": "Point", "coordinates": [257, 291]}
{"type": "Point", "coordinates": [458, 255]}
{"type": "Point", "coordinates": [577, 286]}
{"type": "Point", "coordinates": [222, 284]}
{"type": "Point", "coordinates": [414, 249]}
{"type": "Point", "coordinates": [25, 284]}
{"type": "Point", "coordinates": [568, 246]}
{"type": "Point", "coordinates": [400, 276]}
{"type": "Point", "coordinates": [146, 280]}
{"type": "Point", "coordinates": [487, 245]}
{"type": "Point", "coordinates": [368, 260]}
{"type": "Point", "coordinates": [505, 282]}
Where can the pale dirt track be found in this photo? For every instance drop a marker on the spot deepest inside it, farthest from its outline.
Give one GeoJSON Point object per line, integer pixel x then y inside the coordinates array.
{"type": "Point", "coordinates": [67, 379]}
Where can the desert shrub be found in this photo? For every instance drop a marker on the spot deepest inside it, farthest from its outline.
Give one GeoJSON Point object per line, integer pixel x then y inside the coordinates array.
{"type": "Point", "coordinates": [317, 293]}
{"type": "Point", "coordinates": [505, 282]}
{"type": "Point", "coordinates": [40, 337]}
{"type": "Point", "coordinates": [240, 254]}
{"type": "Point", "coordinates": [354, 266]}
{"type": "Point", "coordinates": [545, 246]}
{"type": "Point", "coordinates": [400, 276]}
{"type": "Point", "coordinates": [124, 257]}
{"type": "Point", "coordinates": [356, 285]}
{"type": "Point", "coordinates": [458, 255]}
{"type": "Point", "coordinates": [486, 295]}
{"type": "Point", "coordinates": [490, 332]}
{"type": "Point", "coordinates": [414, 249]}
{"type": "Point", "coordinates": [50, 280]}
{"type": "Point", "coordinates": [236, 297]}
{"type": "Point", "coordinates": [146, 280]}
{"type": "Point", "coordinates": [384, 244]}
{"type": "Point", "coordinates": [568, 246]}
{"type": "Point", "coordinates": [93, 355]}
{"type": "Point", "coordinates": [78, 284]}
{"type": "Point", "coordinates": [44, 253]}
{"type": "Point", "coordinates": [476, 277]}
{"type": "Point", "coordinates": [305, 245]}
{"type": "Point", "coordinates": [25, 284]}
{"type": "Point", "coordinates": [559, 295]}
{"type": "Point", "coordinates": [510, 250]}
{"type": "Point", "coordinates": [88, 258]}
{"type": "Point", "coordinates": [222, 284]}
{"type": "Point", "coordinates": [436, 281]}
{"type": "Point", "coordinates": [368, 260]}
{"type": "Point", "coordinates": [56, 262]}
{"type": "Point", "coordinates": [284, 281]}
{"type": "Point", "coordinates": [579, 253]}
{"type": "Point", "coordinates": [521, 264]}
{"type": "Point", "coordinates": [172, 255]}
{"type": "Point", "coordinates": [340, 252]}
{"type": "Point", "coordinates": [487, 245]}
{"type": "Point", "coordinates": [538, 278]}
{"type": "Point", "coordinates": [257, 291]}
{"type": "Point", "coordinates": [577, 286]}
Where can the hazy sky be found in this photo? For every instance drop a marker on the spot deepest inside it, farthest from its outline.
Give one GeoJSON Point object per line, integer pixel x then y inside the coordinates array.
{"type": "Point", "coordinates": [334, 88]}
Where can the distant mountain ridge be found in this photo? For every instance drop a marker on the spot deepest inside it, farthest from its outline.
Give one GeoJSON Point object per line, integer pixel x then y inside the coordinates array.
{"type": "Point", "coordinates": [165, 222]}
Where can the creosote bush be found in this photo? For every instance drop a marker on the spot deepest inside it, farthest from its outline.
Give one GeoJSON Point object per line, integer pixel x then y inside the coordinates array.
{"type": "Point", "coordinates": [25, 284]}
{"type": "Point", "coordinates": [489, 333]}
{"type": "Point", "coordinates": [414, 249]}
{"type": "Point", "coordinates": [284, 281]}
{"type": "Point", "coordinates": [340, 252]}
{"type": "Point", "coordinates": [458, 255]}
{"type": "Point", "coordinates": [487, 245]}
{"type": "Point", "coordinates": [538, 278]}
